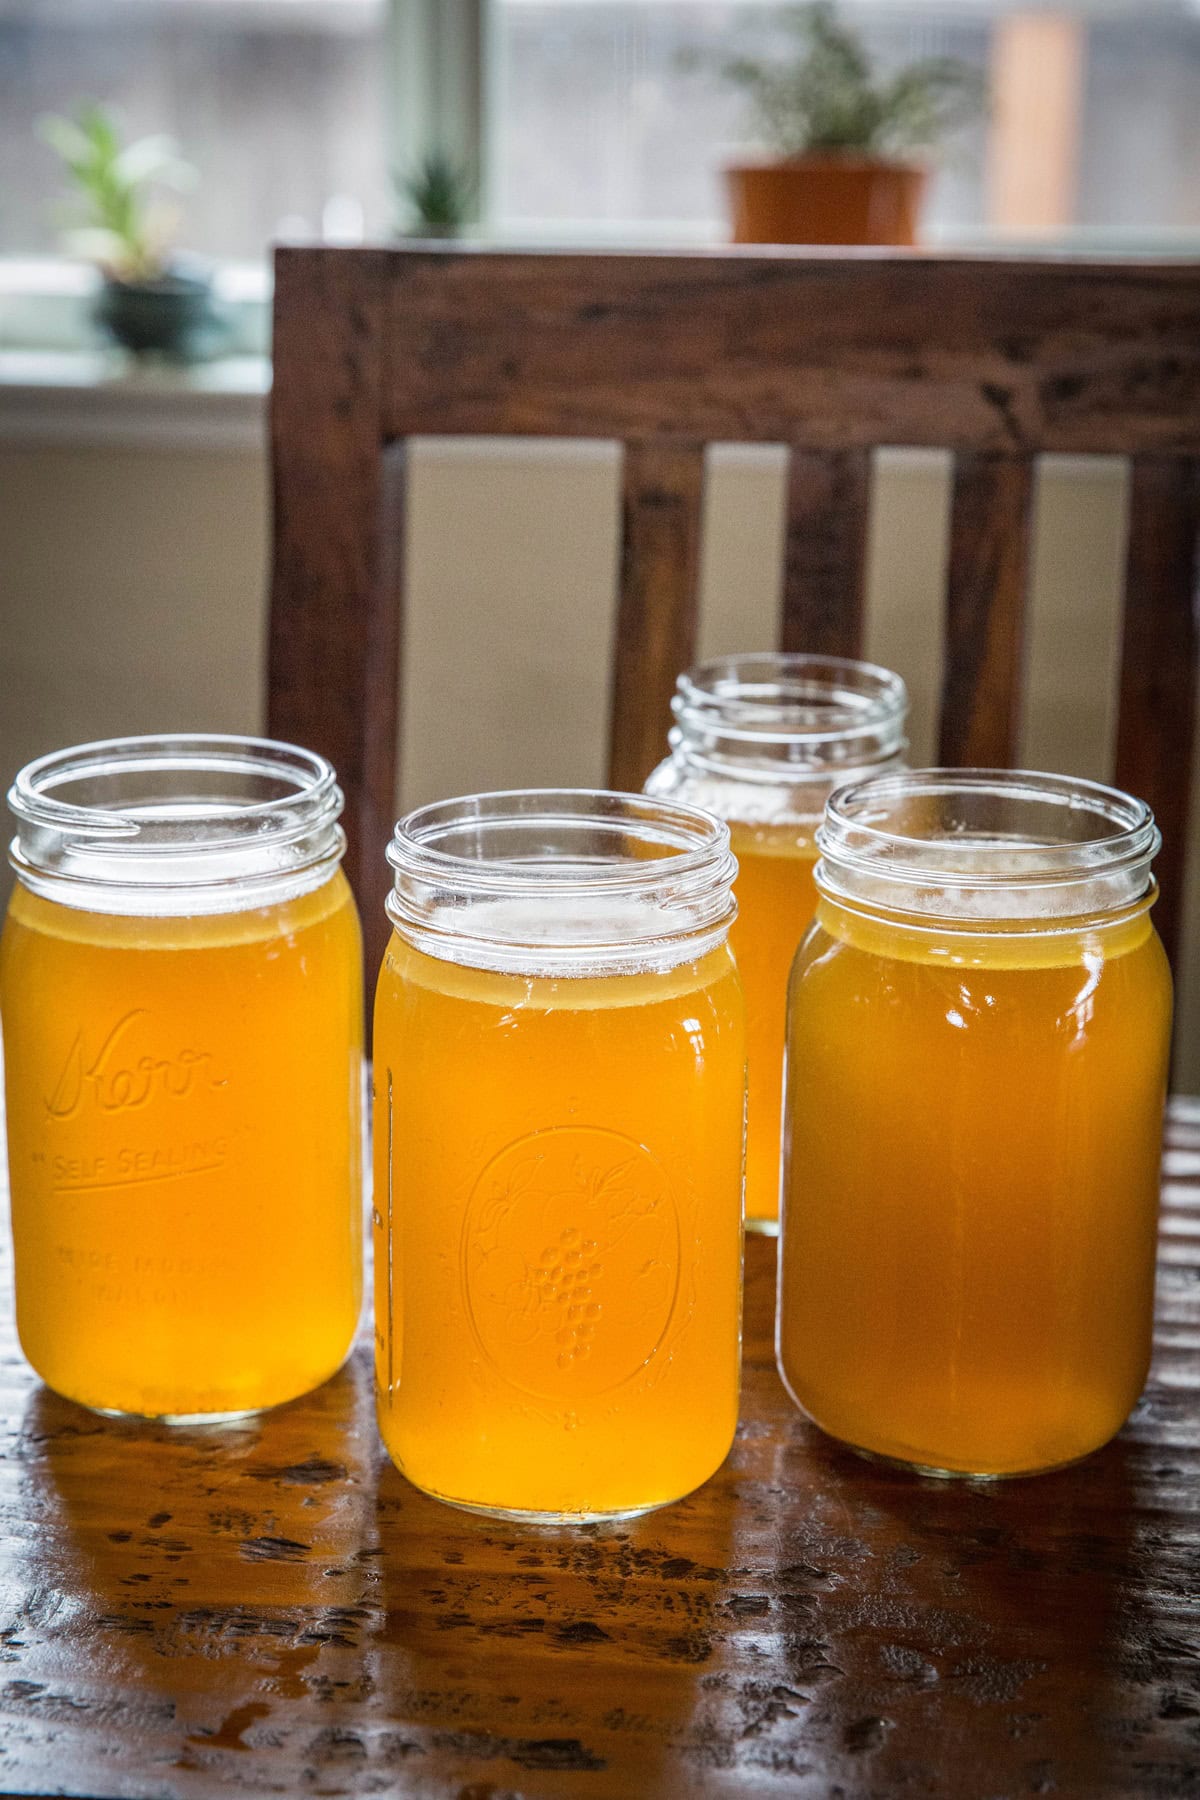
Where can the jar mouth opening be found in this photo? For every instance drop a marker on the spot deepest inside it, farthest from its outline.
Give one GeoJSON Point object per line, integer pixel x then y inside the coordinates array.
{"type": "Point", "coordinates": [798, 700]}
{"type": "Point", "coordinates": [562, 881]}
{"type": "Point", "coordinates": [175, 823]}
{"type": "Point", "coordinates": [148, 791]}
{"type": "Point", "coordinates": [987, 843]}
{"type": "Point", "coordinates": [561, 840]}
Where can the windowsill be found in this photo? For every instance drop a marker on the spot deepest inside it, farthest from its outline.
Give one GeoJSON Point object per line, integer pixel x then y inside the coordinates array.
{"type": "Point", "coordinates": [60, 385]}
{"type": "Point", "coordinates": [46, 304]}
{"type": "Point", "coordinates": [91, 398]}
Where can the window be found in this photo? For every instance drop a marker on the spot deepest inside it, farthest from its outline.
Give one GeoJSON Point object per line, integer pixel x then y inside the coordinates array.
{"type": "Point", "coordinates": [1094, 120]}
{"type": "Point", "coordinates": [593, 125]}
{"type": "Point", "coordinates": [278, 103]}
{"type": "Point", "coordinates": [596, 115]}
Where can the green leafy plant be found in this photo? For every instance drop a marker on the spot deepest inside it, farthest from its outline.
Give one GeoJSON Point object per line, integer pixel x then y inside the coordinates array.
{"type": "Point", "coordinates": [820, 94]}
{"type": "Point", "coordinates": [439, 194]}
{"type": "Point", "coordinates": [118, 215]}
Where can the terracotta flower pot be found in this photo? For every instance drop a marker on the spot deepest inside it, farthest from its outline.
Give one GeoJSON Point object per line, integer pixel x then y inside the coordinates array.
{"type": "Point", "coordinates": [826, 200]}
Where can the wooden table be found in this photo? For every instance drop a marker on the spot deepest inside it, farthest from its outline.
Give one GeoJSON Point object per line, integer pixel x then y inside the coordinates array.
{"type": "Point", "coordinates": [270, 1609]}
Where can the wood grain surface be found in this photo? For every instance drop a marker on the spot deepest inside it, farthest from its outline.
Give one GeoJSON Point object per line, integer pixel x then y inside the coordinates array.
{"type": "Point", "coordinates": [268, 1608]}
{"type": "Point", "coordinates": [825, 552]}
{"type": "Point", "coordinates": [662, 495]}
{"type": "Point", "coordinates": [834, 350]}
{"type": "Point", "coordinates": [985, 611]}
{"type": "Point", "coordinates": [1160, 644]}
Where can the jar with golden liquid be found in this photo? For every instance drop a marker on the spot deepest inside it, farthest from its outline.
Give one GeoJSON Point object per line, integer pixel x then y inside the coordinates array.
{"type": "Point", "coordinates": [180, 987]}
{"type": "Point", "coordinates": [976, 1067]}
{"type": "Point", "coordinates": [559, 1091]}
{"type": "Point", "coordinates": [762, 741]}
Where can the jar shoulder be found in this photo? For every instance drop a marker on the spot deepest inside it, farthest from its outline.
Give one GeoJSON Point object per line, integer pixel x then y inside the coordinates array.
{"type": "Point", "coordinates": [413, 983]}
{"type": "Point", "coordinates": [33, 919]}
{"type": "Point", "coordinates": [738, 800]}
{"type": "Point", "coordinates": [887, 967]}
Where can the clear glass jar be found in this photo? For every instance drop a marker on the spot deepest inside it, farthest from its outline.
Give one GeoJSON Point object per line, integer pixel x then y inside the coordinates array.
{"type": "Point", "coordinates": [762, 741]}
{"type": "Point", "coordinates": [181, 992]}
{"type": "Point", "coordinates": [559, 1094]}
{"type": "Point", "coordinates": [977, 1053]}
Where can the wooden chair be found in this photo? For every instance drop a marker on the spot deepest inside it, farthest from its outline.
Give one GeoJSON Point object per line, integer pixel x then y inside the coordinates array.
{"type": "Point", "coordinates": [833, 355]}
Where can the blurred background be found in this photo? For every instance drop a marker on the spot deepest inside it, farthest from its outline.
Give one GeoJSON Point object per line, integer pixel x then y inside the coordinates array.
{"type": "Point", "coordinates": [134, 511]}
{"type": "Point", "coordinates": [590, 116]}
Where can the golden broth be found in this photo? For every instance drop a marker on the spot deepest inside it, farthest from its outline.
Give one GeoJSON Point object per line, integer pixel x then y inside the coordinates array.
{"type": "Point", "coordinates": [557, 1219]}
{"type": "Point", "coordinates": [184, 1120]}
{"type": "Point", "coordinates": [971, 1187]}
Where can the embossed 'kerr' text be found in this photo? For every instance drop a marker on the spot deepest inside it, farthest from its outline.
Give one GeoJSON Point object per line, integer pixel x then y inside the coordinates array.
{"type": "Point", "coordinates": [110, 1080]}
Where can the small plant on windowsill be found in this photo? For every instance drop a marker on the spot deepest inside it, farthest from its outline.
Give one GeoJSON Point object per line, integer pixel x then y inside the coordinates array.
{"type": "Point", "coordinates": [119, 217]}
{"type": "Point", "coordinates": [437, 196]}
{"type": "Point", "coordinates": [848, 142]}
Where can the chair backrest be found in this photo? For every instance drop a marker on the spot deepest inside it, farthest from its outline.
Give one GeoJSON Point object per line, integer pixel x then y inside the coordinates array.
{"type": "Point", "coordinates": [996, 360]}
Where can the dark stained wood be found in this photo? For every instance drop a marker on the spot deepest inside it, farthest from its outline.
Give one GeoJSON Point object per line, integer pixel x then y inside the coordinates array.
{"type": "Point", "coordinates": [1157, 714]}
{"type": "Point", "coordinates": [825, 552]}
{"type": "Point", "coordinates": [985, 610]}
{"type": "Point", "coordinates": [837, 353]}
{"type": "Point", "coordinates": [335, 615]}
{"type": "Point", "coordinates": [268, 1608]}
{"type": "Point", "coordinates": [830, 350]}
{"type": "Point", "coordinates": [662, 501]}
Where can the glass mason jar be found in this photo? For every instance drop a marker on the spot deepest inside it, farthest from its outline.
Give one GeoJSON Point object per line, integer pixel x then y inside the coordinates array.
{"type": "Point", "coordinates": [977, 1055]}
{"type": "Point", "coordinates": [559, 1094]}
{"type": "Point", "coordinates": [180, 985]}
{"type": "Point", "coordinates": [762, 741]}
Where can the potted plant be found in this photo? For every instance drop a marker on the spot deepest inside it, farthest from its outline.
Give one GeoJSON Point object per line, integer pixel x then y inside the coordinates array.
{"type": "Point", "coordinates": [150, 299]}
{"type": "Point", "coordinates": [846, 139]}
{"type": "Point", "coordinates": [438, 196]}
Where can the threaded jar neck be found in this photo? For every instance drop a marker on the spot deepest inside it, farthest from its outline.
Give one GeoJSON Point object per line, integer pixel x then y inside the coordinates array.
{"type": "Point", "coordinates": [782, 718]}
{"type": "Point", "coordinates": [987, 848]}
{"type": "Point", "coordinates": [562, 882]}
{"type": "Point", "coordinates": [168, 826]}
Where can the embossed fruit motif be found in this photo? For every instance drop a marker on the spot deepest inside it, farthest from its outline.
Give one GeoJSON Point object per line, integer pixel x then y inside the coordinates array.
{"type": "Point", "coordinates": [570, 1261]}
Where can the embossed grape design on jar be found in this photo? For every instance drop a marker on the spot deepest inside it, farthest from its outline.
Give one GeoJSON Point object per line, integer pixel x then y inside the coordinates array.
{"type": "Point", "coordinates": [559, 1100]}
{"type": "Point", "coordinates": [181, 985]}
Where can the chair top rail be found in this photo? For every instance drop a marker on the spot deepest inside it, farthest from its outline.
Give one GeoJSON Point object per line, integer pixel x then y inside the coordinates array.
{"type": "Point", "coordinates": [828, 350]}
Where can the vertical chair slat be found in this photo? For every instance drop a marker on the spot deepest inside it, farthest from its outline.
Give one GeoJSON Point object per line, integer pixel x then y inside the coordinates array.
{"type": "Point", "coordinates": [828, 501]}
{"type": "Point", "coordinates": [1157, 710]}
{"type": "Point", "coordinates": [985, 609]}
{"type": "Point", "coordinates": [663, 495]}
{"type": "Point", "coordinates": [385, 637]}
{"type": "Point", "coordinates": [334, 617]}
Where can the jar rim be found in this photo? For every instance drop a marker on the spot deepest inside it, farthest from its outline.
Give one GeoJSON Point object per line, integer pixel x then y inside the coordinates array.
{"type": "Point", "coordinates": [211, 752]}
{"type": "Point", "coordinates": [697, 835]}
{"type": "Point", "coordinates": [795, 698]}
{"type": "Point", "coordinates": [161, 815]}
{"type": "Point", "coordinates": [568, 849]}
{"type": "Point", "coordinates": [1016, 842]}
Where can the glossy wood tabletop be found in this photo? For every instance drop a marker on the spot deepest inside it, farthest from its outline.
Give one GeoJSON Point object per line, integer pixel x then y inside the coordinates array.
{"type": "Point", "coordinates": [268, 1608]}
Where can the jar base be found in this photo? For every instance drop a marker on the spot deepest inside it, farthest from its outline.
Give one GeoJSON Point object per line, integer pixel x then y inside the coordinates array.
{"type": "Point", "coordinates": [932, 1470]}
{"type": "Point", "coordinates": [991, 1476]}
{"type": "Point", "coordinates": [209, 1420]}
{"type": "Point", "coordinates": [513, 1515]}
{"type": "Point", "coordinates": [516, 1516]}
{"type": "Point", "coordinates": [199, 1418]}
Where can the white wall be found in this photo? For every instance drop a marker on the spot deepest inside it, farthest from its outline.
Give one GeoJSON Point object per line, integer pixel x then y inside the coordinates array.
{"type": "Point", "coordinates": [132, 598]}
